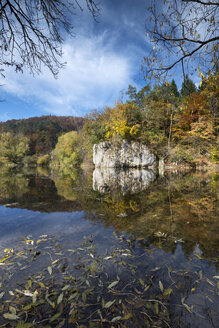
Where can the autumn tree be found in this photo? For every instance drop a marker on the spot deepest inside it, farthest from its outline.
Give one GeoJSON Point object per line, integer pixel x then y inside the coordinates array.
{"type": "Point", "coordinates": [32, 32]}
{"type": "Point", "coordinates": [122, 122]}
{"type": "Point", "coordinates": [183, 32]}
{"type": "Point", "coordinates": [67, 150]}
{"type": "Point", "coordinates": [13, 148]}
{"type": "Point", "coordinates": [195, 133]}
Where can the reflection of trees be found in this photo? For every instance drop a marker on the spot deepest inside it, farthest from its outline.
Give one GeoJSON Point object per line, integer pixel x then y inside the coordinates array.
{"type": "Point", "coordinates": [36, 191]}
{"type": "Point", "coordinates": [66, 182]}
{"type": "Point", "coordinates": [12, 186]}
{"type": "Point", "coordinates": [184, 210]}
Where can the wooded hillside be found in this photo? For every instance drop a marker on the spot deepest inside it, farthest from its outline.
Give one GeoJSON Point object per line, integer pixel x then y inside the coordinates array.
{"type": "Point", "coordinates": [42, 132]}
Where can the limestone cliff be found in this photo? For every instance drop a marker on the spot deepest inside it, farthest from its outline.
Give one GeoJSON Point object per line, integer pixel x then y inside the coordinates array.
{"type": "Point", "coordinates": [126, 154]}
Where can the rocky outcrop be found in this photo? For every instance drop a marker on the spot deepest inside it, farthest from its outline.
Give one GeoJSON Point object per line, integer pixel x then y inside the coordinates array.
{"type": "Point", "coordinates": [127, 181]}
{"type": "Point", "coordinates": [126, 154]}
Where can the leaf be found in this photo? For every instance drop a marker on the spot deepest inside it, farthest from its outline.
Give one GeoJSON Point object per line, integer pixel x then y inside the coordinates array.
{"type": "Point", "coordinates": [49, 270]}
{"type": "Point", "coordinates": [198, 256]}
{"type": "Point", "coordinates": [155, 269]}
{"type": "Point", "coordinates": [187, 307]}
{"type": "Point", "coordinates": [216, 277]}
{"type": "Point", "coordinates": [114, 283]}
{"type": "Point", "coordinates": [84, 297]}
{"type": "Point", "coordinates": [116, 319]}
{"type": "Point", "coordinates": [27, 293]}
{"type": "Point", "coordinates": [141, 282]}
{"type": "Point", "coordinates": [167, 291]}
{"type": "Point", "coordinates": [60, 298]}
{"type": "Point", "coordinates": [12, 309]}
{"type": "Point", "coordinates": [107, 257]}
{"type": "Point", "coordinates": [27, 307]}
{"type": "Point", "coordinates": [161, 286]}
{"type": "Point", "coordinates": [41, 284]}
{"type": "Point", "coordinates": [11, 316]}
{"type": "Point", "coordinates": [4, 258]}
{"type": "Point", "coordinates": [156, 306]}
{"type": "Point", "coordinates": [29, 282]}
{"type": "Point", "coordinates": [108, 304]}
{"type": "Point", "coordinates": [34, 298]}
{"type": "Point", "coordinates": [65, 287]}
{"type": "Point", "coordinates": [56, 316]}
{"type": "Point", "coordinates": [2, 294]}
{"type": "Point", "coordinates": [127, 316]}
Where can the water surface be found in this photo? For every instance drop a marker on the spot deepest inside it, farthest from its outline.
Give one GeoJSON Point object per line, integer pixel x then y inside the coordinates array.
{"type": "Point", "coordinates": [161, 236]}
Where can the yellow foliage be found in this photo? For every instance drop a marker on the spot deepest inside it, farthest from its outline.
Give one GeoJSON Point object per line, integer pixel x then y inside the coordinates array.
{"type": "Point", "coordinates": [135, 129]}
{"type": "Point", "coordinates": [116, 123]}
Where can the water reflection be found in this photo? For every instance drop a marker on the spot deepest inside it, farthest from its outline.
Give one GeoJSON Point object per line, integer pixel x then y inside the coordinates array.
{"type": "Point", "coordinates": [127, 181]}
{"type": "Point", "coordinates": [171, 210]}
{"type": "Point", "coordinates": [167, 229]}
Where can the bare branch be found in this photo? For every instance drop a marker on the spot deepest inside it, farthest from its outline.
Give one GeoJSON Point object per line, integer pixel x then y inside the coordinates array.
{"type": "Point", "coordinates": [31, 32]}
{"type": "Point", "coordinates": [209, 3]}
{"type": "Point", "coordinates": [181, 32]}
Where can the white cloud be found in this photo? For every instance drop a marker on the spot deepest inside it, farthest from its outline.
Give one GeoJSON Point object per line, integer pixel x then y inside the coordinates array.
{"type": "Point", "coordinates": [93, 77]}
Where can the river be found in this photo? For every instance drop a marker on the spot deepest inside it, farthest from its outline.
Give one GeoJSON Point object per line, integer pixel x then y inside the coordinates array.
{"type": "Point", "coordinates": [108, 249]}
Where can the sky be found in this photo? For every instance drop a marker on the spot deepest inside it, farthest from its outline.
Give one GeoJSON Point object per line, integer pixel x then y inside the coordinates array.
{"type": "Point", "coordinates": [102, 60]}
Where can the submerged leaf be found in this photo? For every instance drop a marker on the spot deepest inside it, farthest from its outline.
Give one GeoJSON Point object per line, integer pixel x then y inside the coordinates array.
{"type": "Point", "coordinates": [116, 319]}
{"type": "Point", "coordinates": [60, 298]}
{"type": "Point", "coordinates": [10, 316]}
{"type": "Point", "coordinates": [2, 294]}
{"type": "Point", "coordinates": [56, 316]}
{"type": "Point", "coordinates": [141, 282]}
{"type": "Point", "coordinates": [114, 283]}
{"type": "Point", "coordinates": [167, 291]}
{"type": "Point", "coordinates": [216, 277]}
{"type": "Point", "coordinates": [49, 270]}
{"type": "Point", "coordinates": [127, 316]}
{"type": "Point", "coordinates": [108, 304]}
{"type": "Point", "coordinates": [161, 286]}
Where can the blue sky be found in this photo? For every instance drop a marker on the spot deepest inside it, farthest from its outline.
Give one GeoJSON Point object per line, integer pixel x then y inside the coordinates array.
{"type": "Point", "coordinates": [102, 59]}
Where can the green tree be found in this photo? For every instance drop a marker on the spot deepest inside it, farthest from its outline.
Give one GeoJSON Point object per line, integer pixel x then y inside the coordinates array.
{"type": "Point", "coordinates": [13, 148]}
{"type": "Point", "coordinates": [174, 89]}
{"type": "Point", "coordinates": [131, 92]}
{"type": "Point", "coordinates": [188, 87]}
{"type": "Point", "coordinates": [67, 150]}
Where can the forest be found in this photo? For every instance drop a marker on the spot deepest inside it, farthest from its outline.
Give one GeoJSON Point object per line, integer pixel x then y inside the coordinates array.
{"type": "Point", "coordinates": [180, 126]}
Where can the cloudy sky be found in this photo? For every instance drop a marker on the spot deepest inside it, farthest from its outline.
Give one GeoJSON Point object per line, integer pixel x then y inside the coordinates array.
{"type": "Point", "coordinates": [102, 59]}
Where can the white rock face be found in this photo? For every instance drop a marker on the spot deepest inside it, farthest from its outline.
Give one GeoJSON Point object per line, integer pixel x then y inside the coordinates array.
{"type": "Point", "coordinates": [128, 154]}
{"type": "Point", "coordinates": [127, 181]}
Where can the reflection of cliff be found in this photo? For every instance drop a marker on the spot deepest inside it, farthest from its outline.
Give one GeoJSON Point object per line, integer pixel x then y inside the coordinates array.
{"type": "Point", "coordinates": [180, 209]}
{"type": "Point", "coordinates": [128, 181]}
{"type": "Point", "coordinates": [177, 209]}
